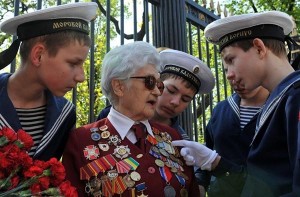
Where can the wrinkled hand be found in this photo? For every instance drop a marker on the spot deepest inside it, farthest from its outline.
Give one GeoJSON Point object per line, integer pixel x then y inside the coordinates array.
{"type": "Point", "coordinates": [195, 153]}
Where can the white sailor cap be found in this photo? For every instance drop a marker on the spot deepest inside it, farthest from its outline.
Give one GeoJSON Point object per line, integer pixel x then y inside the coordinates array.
{"type": "Point", "coordinates": [188, 67]}
{"type": "Point", "coordinates": [270, 24]}
{"type": "Point", "coordinates": [72, 16]}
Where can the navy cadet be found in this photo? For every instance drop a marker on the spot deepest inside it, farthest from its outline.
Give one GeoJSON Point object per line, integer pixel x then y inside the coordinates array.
{"type": "Point", "coordinates": [54, 45]}
{"type": "Point", "coordinates": [183, 76]}
{"type": "Point", "coordinates": [125, 154]}
{"type": "Point", "coordinates": [254, 53]}
{"type": "Point", "coordinates": [230, 131]}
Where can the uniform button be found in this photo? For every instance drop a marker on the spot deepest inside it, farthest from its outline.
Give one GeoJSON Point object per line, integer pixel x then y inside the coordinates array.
{"type": "Point", "coordinates": [151, 170]}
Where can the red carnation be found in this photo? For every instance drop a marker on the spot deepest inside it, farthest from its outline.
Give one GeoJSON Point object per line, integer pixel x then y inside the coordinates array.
{"type": "Point", "coordinates": [68, 190]}
{"type": "Point", "coordinates": [24, 140]}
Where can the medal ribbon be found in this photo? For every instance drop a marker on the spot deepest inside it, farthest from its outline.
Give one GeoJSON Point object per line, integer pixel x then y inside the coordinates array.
{"type": "Point", "coordinates": [165, 173]}
{"type": "Point", "coordinates": [152, 140]}
{"type": "Point", "coordinates": [109, 161]}
{"type": "Point", "coordinates": [180, 179]}
{"type": "Point", "coordinates": [123, 167]}
{"type": "Point", "coordinates": [140, 187]}
{"type": "Point", "coordinates": [107, 188]}
{"type": "Point", "coordinates": [85, 174]}
{"type": "Point", "coordinates": [133, 163]}
{"type": "Point", "coordinates": [118, 185]}
{"type": "Point", "coordinates": [155, 154]}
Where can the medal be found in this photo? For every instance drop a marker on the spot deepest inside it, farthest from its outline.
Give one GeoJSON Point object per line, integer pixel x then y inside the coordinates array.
{"type": "Point", "coordinates": [114, 139]}
{"type": "Point", "coordinates": [105, 134]}
{"type": "Point", "coordinates": [135, 176]}
{"type": "Point", "coordinates": [184, 193]}
{"type": "Point", "coordinates": [91, 152]}
{"type": "Point", "coordinates": [112, 174]}
{"type": "Point", "coordinates": [103, 128]}
{"type": "Point", "coordinates": [169, 191]}
{"type": "Point", "coordinates": [159, 163]}
{"type": "Point", "coordinates": [95, 136]}
{"type": "Point", "coordinates": [103, 147]}
{"type": "Point", "coordinates": [121, 151]}
{"type": "Point", "coordinates": [128, 181]}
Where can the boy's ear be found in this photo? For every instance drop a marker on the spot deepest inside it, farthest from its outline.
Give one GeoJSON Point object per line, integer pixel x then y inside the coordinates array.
{"type": "Point", "coordinates": [260, 47]}
{"type": "Point", "coordinates": [36, 54]}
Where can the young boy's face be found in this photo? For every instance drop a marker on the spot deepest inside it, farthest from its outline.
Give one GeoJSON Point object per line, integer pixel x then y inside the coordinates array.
{"type": "Point", "coordinates": [174, 99]}
{"type": "Point", "coordinates": [244, 70]}
{"type": "Point", "coordinates": [62, 72]}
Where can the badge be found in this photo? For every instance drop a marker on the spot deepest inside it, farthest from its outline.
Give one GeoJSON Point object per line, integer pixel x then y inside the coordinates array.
{"type": "Point", "coordinates": [95, 136]}
{"type": "Point", "coordinates": [128, 181]}
{"type": "Point", "coordinates": [196, 69]}
{"type": "Point", "coordinates": [164, 152]}
{"type": "Point", "coordinates": [91, 152]}
{"type": "Point", "coordinates": [121, 151]}
{"type": "Point", "coordinates": [114, 139]}
{"type": "Point", "coordinates": [169, 191]}
{"type": "Point", "coordinates": [159, 163]}
{"type": "Point", "coordinates": [151, 170]}
{"type": "Point", "coordinates": [105, 134]}
{"type": "Point", "coordinates": [103, 128]}
{"type": "Point", "coordinates": [112, 174]}
{"type": "Point", "coordinates": [139, 156]}
{"type": "Point", "coordinates": [135, 176]}
{"type": "Point", "coordinates": [103, 147]}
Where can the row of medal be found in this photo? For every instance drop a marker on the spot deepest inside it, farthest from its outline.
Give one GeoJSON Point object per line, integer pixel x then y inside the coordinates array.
{"type": "Point", "coordinates": [111, 180]}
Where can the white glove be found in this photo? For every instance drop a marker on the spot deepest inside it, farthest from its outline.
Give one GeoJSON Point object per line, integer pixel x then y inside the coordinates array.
{"type": "Point", "coordinates": [195, 153]}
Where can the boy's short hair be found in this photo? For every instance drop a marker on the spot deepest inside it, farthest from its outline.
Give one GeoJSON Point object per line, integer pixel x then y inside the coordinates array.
{"type": "Point", "coordinates": [53, 42]}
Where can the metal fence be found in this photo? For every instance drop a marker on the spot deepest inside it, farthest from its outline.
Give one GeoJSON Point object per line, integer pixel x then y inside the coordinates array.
{"type": "Point", "coordinates": [176, 24]}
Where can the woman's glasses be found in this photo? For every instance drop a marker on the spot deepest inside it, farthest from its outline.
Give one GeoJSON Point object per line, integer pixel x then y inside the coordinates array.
{"type": "Point", "coordinates": [151, 82]}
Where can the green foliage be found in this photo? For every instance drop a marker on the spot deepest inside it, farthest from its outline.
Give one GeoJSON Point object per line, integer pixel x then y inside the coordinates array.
{"type": "Point", "coordinates": [291, 7]}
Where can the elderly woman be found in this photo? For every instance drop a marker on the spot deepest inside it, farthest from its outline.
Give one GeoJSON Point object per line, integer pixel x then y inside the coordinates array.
{"type": "Point", "coordinates": [125, 154]}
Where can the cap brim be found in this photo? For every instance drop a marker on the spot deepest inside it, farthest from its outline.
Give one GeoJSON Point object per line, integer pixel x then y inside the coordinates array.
{"type": "Point", "coordinates": [84, 11]}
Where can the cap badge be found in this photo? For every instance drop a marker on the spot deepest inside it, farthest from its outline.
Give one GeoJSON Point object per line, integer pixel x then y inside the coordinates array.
{"type": "Point", "coordinates": [196, 69]}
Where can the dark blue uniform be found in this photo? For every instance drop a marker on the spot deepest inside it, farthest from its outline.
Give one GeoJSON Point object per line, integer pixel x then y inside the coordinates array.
{"type": "Point", "coordinates": [224, 134]}
{"type": "Point", "coordinates": [273, 161]}
{"type": "Point", "coordinates": [60, 119]}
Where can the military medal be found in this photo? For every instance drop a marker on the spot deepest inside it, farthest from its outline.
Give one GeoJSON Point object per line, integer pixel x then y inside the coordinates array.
{"type": "Point", "coordinates": [103, 147]}
{"type": "Point", "coordinates": [128, 181]}
{"type": "Point", "coordinates": [184, 192]}
{"type": "Point", "coordinates": [105, 134]}
{"type": "Point", "coordinates": [135, 176]}
{"type": "Point", "coordinates": [103, 128]}
{"type": "Point", "coordinates": [114, 139]}
{"type": "Point", "coordinates": [140, 188]}
{"type": "Point", "coordinates": [169, 191]}
{"type": "Point", "coordinates": [112, 174]}
{"type": "Point", "coordinates": [91, 152]}
{"type": "Point", "coordinates": [94, 135]}
{"type": "Point", "coordinates": [121, 151]}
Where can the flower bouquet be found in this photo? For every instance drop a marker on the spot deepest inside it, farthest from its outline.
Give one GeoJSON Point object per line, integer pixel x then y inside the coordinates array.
{"type": "Point", "coordinates": [20, 175]}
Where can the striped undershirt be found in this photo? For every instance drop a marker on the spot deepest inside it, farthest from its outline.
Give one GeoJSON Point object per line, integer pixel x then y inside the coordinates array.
{"type": "Point", "coordinates": [32, 121]}
{"type": "Point", "coordinates": [246, 114]}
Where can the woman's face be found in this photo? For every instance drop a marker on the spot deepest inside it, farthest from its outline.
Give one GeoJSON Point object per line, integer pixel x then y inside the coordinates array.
{"type": "Point", "coordinates": [174, 99]}
{"type": "Point", "coordinates": [136, 101]}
